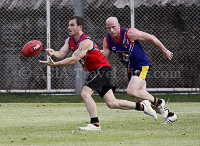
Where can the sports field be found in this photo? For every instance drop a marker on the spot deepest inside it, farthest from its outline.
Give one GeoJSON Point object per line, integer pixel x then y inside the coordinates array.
{"type": "Point", "coordinates": [34, 119]}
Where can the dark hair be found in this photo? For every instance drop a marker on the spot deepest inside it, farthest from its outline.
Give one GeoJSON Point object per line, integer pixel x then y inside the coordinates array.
{"type": "Point", "coordinates": [79, 21]}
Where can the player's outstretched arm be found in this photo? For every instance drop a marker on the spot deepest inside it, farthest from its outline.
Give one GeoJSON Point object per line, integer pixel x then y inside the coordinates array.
{"type": "Point", "coordinates": [59, 55]}
{"type": "Point", "coordinates": [135, 34]}
{"type": "Point", "coordinates": [84, 46]}
{"type": "Point", "coordinates": [106, 50]}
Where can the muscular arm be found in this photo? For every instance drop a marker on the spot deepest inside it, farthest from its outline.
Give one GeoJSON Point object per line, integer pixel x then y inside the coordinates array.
{"type": "Point", "coordinates": [84, 46]}
{"type": "Point", "coordinates": [134, 34]}
{"type": "Point", "coordinates": [59, 55]}
{"type": "Point", "coordinates": [106, 50]}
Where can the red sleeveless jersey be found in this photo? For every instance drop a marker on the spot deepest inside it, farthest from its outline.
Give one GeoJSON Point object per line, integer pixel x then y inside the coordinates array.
{"type": "Point", "coordinates": [93, 58]}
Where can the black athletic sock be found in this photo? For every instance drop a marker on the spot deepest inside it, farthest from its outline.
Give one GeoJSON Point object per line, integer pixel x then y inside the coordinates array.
{"type": "Point", "coordinates": [139, 107]}
{"type": "Point", "coordinates": [170, 114]}
{"type": "Point", "coordinates": [95, 121]}
{"type": "Point", "coordinates": [157, 101]}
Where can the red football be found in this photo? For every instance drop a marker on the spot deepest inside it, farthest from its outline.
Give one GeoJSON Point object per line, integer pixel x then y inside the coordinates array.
{"type": "Point", "coordinates": [32, 48]}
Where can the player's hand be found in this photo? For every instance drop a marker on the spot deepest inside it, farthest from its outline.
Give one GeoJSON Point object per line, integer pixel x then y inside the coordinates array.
{"type": "Point", "coordinates": [102, 51]}
{"type": "Point", "coordinates": [167, 54]}
{"type": "Point", "coordinates": [50, 52]}
{"type": "Point", "coordinates": [50, 62]}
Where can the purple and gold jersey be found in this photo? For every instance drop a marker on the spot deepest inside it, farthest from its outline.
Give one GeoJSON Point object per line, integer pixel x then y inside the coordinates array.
{"type": "Point", "coordinates": [130, 53]}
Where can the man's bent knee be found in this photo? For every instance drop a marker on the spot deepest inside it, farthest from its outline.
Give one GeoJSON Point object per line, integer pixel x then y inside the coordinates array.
{"type": "Point", "coordinates": [113, 105]}
{"type": "Point", "coordinates": [132, 92]}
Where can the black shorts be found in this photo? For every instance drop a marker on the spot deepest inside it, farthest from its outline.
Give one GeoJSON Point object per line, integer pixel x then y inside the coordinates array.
{"type": "Point", "coordinates": [100, 80]}
{"type": "Point", "coordinates": [140, 72]}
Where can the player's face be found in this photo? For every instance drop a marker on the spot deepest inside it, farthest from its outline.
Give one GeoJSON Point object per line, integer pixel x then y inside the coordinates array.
{"type": "Point", "coordinates": [113, 29]}
{"type": "Point", "coordinates": [73, 29]}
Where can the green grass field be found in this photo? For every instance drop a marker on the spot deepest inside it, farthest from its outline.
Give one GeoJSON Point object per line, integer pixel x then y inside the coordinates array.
{"type": "Point", "coordinates": [34, 119]}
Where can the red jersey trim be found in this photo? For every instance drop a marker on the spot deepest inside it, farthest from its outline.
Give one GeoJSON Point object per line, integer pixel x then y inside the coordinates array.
{"type": "Point", "coordinates": [128, 37]}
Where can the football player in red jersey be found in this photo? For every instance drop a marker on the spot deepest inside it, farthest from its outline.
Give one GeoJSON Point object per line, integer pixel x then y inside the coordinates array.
{"type": "Point", "coordinates": [86, 51]}
{"type": "Point", "coordinates": [127, 46]}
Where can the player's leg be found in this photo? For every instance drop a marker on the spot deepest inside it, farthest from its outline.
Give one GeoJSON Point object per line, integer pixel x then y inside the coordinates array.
{"type": "Point", "coordinates": [171, 117]}
{"type": "Point", "coordinates": [86, 95]}
{"type": "Point", "coordinates": [108, 96]}
{"type": "Point", "coordinates": [93, 82]}
{"type": "Point", "coordinates": [140, 100]}
{"type": "Point", "coordinates": [114, 103]}
{"type": "Point", "coordinates": [137, 88]}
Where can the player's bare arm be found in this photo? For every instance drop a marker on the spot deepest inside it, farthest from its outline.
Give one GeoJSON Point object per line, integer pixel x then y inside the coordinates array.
{"type": "Point", "coordinates": [76, 56]}
{"type": "Point", "coordinates": [59, 55]}
{"type": "Point", "coordinates": [135, 34]}
{"type": "Point", "coordinates": [106, 50]}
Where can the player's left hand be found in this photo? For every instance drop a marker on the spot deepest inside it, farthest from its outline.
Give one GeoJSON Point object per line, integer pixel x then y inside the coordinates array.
{"type": "Point", "coordinates": [167, 54]}
{"type": "Point", "coordinates": [50, 62]}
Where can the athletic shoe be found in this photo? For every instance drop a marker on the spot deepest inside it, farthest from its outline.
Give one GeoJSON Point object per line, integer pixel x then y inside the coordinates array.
{"type": "Point", "coordinates": [148, 109]}
{"type": "Point", "coordinates": [90, 127]}
{"type": "Point", "coordinates": [163, 109]}
{"type": "Point", "coordinates": [170, 119]}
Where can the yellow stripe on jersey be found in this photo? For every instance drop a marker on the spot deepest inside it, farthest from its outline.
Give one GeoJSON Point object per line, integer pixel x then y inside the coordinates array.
{"type": "Point", "coordinates": [144, 72]}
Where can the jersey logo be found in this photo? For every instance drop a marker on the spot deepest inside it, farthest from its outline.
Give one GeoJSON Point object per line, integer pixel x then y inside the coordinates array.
{"type": "Point", "coordinates": [125, 56]}
{"type": "Point", "coordinates": [113, 48]}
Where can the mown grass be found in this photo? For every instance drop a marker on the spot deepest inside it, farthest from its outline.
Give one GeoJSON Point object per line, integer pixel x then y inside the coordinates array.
{"type": "Point", "coordinates": [53, 120]}
{"type": "Point", "coordinates": [56, 124]}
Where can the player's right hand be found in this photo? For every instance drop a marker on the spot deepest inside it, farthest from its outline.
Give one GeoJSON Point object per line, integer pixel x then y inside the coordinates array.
{"type": "Point", "coordinates": [50, 52]}
{"type": "Point", "coordinates": [167, 54]}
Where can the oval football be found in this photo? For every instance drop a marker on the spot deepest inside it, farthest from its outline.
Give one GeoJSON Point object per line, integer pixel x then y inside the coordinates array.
{"type": "Point", "coordinates": [31, 48]}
